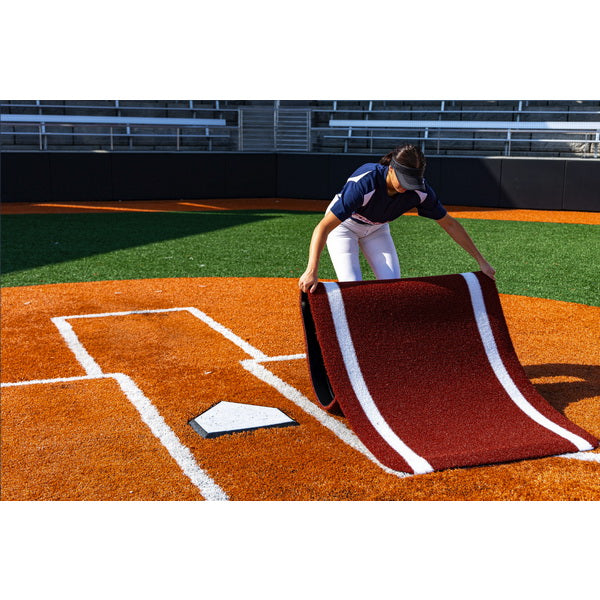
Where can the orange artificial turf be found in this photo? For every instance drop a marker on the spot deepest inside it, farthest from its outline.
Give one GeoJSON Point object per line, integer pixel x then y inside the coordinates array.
{"type": "Point", "coordinates": [81, 440]}
{"type": "Point", "coordinates": [84, 440]}
{"type": "Point", "coordinates": [463, 212]}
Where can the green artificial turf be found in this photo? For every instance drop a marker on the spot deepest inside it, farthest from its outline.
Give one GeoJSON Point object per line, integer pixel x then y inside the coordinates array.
{"type": "Point", "coordinates": [546, 260]}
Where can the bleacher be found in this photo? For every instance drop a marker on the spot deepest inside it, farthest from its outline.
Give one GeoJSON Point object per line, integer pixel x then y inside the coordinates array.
{"type": "Point", "coordinates": [442, 127]}
{"type": "Point", "coordinates": [141, 126]}
{"type": "Point", "coordinates": [453, 128]}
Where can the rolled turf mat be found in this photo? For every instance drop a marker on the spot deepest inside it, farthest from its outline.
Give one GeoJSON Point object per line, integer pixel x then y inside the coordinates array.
{"type": "Point", "coordinates": [426, 374]}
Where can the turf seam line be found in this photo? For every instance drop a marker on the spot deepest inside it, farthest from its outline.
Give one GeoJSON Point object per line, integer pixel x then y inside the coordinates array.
{"type": "Point", "coordinates": [491, 350]}
{"type": "Point", "coordinates": [336, 427]}
{"type": "Point", "coordinates": [336, 303]}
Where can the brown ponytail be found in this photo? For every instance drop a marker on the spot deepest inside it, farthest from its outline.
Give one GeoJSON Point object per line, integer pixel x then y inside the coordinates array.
{"type": "Point", "coordinates": [407, 155]}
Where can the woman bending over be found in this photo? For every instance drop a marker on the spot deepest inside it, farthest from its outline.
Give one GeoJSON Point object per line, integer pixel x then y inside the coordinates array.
{"type": "Point", "coordinates": [358, 218]}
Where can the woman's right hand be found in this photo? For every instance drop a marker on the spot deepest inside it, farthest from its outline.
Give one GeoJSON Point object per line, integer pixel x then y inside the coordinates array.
{"type": "Point", "coordinates": [308, 281]}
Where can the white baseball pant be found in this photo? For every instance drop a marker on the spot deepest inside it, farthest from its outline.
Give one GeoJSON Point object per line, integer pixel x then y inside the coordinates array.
{"type": "Point", "coordinates": [376, 243]}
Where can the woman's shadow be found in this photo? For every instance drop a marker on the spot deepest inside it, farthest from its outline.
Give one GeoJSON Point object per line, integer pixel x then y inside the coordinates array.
{"type": "Point", "coordinates": [581, 381]}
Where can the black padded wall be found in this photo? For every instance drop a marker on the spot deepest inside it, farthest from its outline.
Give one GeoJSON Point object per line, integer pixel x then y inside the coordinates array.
{"type": "Point", "coordinates": [531, 183]}
{"type": "Point", "coordinates": [166, 176]}
{"type": "Point", "coordinates": [78, 177]}
{"type": "Point", "coordinates": [25, 177]}
{"type": "Point", "coordinates": [306, 177]}
{"type": "Point", "coordinates": [567, 184]}
{"type": "Point", "coordinates": [193, 176]}
{"type": "Point", "coordinates": [582, 185]}
{"type": "Point", "coordinates": [250, 175]}
{"type": "Point", "coordinates": [469, 182]}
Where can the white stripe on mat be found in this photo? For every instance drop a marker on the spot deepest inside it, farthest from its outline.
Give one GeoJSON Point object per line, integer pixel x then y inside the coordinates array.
{"type": "Point", "coordinates": [338, 312]}
{"type": "Point", "coordinates": [491, 350]}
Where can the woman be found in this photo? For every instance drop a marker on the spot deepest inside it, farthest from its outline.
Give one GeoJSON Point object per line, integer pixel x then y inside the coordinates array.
{"type": "Point", "coordinates": [358, 217]}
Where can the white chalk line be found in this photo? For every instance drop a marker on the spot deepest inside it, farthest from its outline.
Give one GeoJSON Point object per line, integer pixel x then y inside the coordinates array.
{"type": "Point", "coordinates": [93, 370]}
{"type": "Point", "coordinates": [148, 412]}
{"type": "Point", "coordinates": [291, 393]}
{"type": "Point", "coordinates": [588, 456]}
{"type": "Point", "coordinates": [90, 366]}
{"type": "Point", "coordinates": [54, 380]}
{"type": "Point", "coordinates": [227, 333]}
{"type": "Point", "coordinates": [294, 395]}
{"type": "Point", "coordinates": [154, 420]}
{"type": "Point", "coordinates": [182, 454]}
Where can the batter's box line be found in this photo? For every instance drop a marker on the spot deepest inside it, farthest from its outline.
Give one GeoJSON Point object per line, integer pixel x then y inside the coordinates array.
{"type": "Point", "coordinates": [289, 392]}
{"type": "Point", "coordinates": [149, 414]}
{"type": "Point", "coordinates": [281, 358]}
{"type": "Point", "coordinates": [254, 366]}
{"type": "Point", "coordinates": [588, 456]}
{"type": "Point", "coordinates": [162, 431]}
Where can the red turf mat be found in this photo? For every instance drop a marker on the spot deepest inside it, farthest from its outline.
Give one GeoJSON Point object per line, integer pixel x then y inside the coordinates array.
{"type": "Point", "coordinates": [426, 374]}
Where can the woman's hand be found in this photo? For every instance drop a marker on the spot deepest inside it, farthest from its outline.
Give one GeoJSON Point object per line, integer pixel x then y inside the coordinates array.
{"type": "Point", "coordinates": [308, 281]}
{"type": "Point", "coordinates": [488, 269]}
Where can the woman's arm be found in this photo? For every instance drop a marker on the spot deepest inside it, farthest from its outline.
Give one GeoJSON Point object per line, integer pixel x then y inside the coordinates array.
{"type": "Point", "coordinates": [457, 232]}
{"type": "Point", "coordinates": [309, 279]}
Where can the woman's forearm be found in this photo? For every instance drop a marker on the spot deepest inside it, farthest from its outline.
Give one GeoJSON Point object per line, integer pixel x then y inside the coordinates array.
{"type": "Point", "coordinates": [459, 234]}
{"type": "Point", "coordinates": [308, 280]}
{"type": "Point", "coordinates": [319, 238]}
{"type": "Point", "coordinates": [317, 243]}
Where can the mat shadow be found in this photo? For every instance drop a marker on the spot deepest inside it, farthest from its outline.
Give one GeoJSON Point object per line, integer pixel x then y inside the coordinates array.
{"type": "Point", "coordinates": [585, 384]}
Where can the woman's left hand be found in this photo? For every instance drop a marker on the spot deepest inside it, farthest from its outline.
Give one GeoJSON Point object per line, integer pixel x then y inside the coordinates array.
{"type": "Point", "coordinates": [488, 269]}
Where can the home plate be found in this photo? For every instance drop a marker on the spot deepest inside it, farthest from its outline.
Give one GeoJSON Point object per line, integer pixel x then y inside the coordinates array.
{"type": "Point", "coordinates": [233, 417]}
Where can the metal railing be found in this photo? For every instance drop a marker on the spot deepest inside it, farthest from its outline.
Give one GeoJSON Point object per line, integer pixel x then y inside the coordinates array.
{"type": "Point", "coordinates": [101, 132]}
{"type": "Point", "coordinates": [429, 133]}
{"type": "Point", "coordinates": [332, 126]}
{"type": "Point", "coordinates": [447, 110]}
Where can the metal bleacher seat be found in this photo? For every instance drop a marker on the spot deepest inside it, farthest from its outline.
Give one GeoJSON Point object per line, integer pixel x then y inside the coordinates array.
{"type": "Point", "coordinates": [113, 129]}
{"type": "Point", "coordinates": [504, 134]}
{"type": "Point", "coordinates": [444, 127]}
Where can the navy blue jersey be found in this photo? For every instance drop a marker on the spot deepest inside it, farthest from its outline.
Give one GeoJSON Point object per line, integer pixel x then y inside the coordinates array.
{"type": "Point", "coordinates": [364, 198]}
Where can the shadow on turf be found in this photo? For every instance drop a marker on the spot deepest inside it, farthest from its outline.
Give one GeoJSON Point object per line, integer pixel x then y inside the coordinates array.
{"type": "Point", "coordinates": [560, 394]}
{"type": "Point", "coordinates": [31, 241]}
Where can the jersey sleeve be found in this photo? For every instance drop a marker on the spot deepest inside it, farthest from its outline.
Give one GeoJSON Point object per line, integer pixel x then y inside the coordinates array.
{"type": "Point", "coordinates": [431, 207]}
{"type": "Point", "coordinates": [352, 196]}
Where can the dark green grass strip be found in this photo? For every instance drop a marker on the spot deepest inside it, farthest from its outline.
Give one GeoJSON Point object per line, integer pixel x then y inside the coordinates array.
{"type": "Point", "coordinates": [545, 260]}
